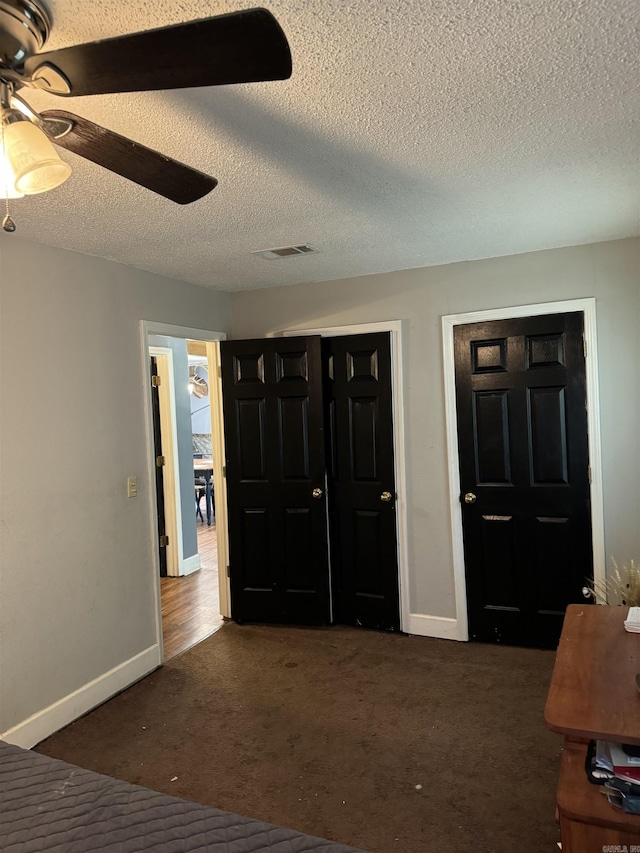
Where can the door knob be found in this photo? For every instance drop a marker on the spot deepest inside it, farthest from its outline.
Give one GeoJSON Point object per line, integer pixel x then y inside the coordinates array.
{"type": "Point", "coordinates": [317, 493]}
{"type": "Point", "coordinates": [470, 498]}
{"type": "Point", "coordinates": [386, 497]}
{"type": "Point", "coordinates": [587, 593]}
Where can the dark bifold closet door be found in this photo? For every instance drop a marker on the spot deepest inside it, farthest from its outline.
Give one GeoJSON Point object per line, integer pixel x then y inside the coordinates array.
{"type": "Point", "coordinates": [360, 462]}
{"type": "Point", "coordinates": [273, 420]}
{"type": "Point", "coordinates": [524, 473]}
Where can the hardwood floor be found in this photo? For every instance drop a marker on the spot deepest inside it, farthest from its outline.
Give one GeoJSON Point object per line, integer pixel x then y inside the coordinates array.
{"type": "Point", "coordinates": [191, 605]}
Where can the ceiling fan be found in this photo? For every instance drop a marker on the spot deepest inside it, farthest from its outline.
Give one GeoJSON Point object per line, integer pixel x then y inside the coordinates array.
{"type": "Point", "coordinates": [198, 385]}
{"type": "Point", "coordinates": [240, 47]}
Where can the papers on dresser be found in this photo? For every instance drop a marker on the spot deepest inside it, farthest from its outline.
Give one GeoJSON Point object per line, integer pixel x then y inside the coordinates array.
{"type": "Point", "coordinates": [632, 622]}
{"type": "Point", "coordinates": [612, 758]}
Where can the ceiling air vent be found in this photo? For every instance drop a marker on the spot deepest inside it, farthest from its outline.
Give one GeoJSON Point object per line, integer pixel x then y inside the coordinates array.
{"type": "Point", "coordinates": [285, 252]}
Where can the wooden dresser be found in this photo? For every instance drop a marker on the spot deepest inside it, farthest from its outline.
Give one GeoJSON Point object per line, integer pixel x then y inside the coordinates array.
{"type": "Point", "coordinates": [593, 694]}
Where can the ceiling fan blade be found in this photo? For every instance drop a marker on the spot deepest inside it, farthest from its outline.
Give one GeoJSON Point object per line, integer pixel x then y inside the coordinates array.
{"type": "Point", "coordinates": [241, 47]}
{"type": "Point", "coordinates": [139, 164]}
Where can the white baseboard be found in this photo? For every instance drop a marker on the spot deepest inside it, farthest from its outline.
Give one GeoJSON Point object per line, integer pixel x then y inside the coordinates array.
{"type": "Point", "coordinates": [190, 565]}
{"type": "Point", "coordinates": [44, 723]}
{"type": "Point", "coordinates": [433, 626]}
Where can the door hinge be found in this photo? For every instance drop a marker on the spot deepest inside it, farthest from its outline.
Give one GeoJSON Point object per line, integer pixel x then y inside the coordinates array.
{"type": "Point", "coordinates": [584, 347]}
{"type": "Point", "coordinates": [164, 540]}
{"type": "Point", "coordinates": [160, 461]}
{"type": "Point", "coordinates": [224, 470]}
{"type": "Point", "coordinates": [589, 473]}
{"type": "Point", "coordinates": [219, 373]}
{"type": "Point", "coordinates": [156, 381]}
{"type": "Point", "coordinates": [228, 571]}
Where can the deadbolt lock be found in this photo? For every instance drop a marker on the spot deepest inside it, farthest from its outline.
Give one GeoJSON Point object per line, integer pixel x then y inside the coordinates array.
{"type": "Point", "coordinates": [160, 461]}
{"type": "Point", "coordinates": [317, 493]}
{"type": "Point", "coordinates": [470, 498]}
{"type": "Point", "coordinates": [386, 497]}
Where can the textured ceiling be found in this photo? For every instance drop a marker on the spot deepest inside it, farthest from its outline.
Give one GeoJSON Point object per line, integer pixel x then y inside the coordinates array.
{"type": "Point", "coordinates": [412, 133]}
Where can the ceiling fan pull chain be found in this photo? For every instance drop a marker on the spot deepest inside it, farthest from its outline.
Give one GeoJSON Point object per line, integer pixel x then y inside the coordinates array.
{"type": "Point", "coordinates": [7, 223]}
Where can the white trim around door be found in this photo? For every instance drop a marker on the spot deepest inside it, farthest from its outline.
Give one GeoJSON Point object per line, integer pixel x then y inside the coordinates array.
{"type": "Point", "coordinates": [407, 623]}
{"type": "Point", "coordinates": [449, 322]}
{"type": "Point", "coordinates": [219, 476]}
{"type": "Point", "coordinates": [149, 327]}
{"type": "Point", "coordinates": [169, 433]}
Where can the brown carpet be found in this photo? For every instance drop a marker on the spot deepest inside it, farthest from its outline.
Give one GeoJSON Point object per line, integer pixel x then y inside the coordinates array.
{"type": "Point", "coordinates": [330, 731]}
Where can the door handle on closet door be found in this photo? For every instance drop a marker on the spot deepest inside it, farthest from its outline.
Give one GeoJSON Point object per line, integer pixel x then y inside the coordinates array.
{"type": "Point", "coordinates": [317, 493]}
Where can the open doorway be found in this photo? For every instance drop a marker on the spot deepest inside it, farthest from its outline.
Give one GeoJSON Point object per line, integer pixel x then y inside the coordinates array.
{"type": "Point", "coordinates": [186, 469]}
{"type": "Point", "coordinates": [191, 607]}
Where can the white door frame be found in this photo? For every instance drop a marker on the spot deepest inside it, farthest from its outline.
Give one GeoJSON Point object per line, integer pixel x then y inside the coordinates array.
{"type": "Point", "coordinates": [213, 338]}
{"type": "Point", "coordinates": [449, 322]}
{"type": "Point", "coordinates": [219, 475]}
{"type": "Point", "coordinates": [395, 328]}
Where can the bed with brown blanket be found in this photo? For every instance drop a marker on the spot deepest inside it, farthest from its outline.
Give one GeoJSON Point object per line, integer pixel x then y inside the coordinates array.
{"type": "Point", "coordinates": [48, 805]}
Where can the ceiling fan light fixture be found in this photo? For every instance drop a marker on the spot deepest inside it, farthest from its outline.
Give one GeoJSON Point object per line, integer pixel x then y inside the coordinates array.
{"type": "Point", "coordinates": [244, 46]}
{"type": "Point", "coordinates": [36, 166]}
{"type": "Point", "coordinates": [7, 181]}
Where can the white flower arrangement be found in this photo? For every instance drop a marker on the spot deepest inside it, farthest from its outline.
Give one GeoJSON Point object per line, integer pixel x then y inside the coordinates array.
{"type": "Point", "coordinates": [622, 587]}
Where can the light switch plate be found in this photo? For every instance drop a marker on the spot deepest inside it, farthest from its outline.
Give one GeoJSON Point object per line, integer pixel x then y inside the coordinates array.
{"type": "Point", "coordinates": [132, 487]}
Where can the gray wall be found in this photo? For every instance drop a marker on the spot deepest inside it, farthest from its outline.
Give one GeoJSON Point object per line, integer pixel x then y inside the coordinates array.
{"type": "Point", "coordinates": [201, 413]}
{"type": "Point", "coordinates": [76, 585]}
{"type": "Point", "coordinates": [76, 588]}
{"type": "Point", "coordinates": [184, 441]}
{"type": "Point", "coordinates": [608, 271]}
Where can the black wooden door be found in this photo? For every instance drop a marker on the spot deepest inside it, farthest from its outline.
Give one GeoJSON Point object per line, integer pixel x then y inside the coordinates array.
{"type": "Point", "coordinates": [524, 473]}
{"type": "Point", "coordinates": [361, 482]}
{"type": "Point", "coordinates": [276, 480]}
{"type": "Point", "coordinates": [158, 462]}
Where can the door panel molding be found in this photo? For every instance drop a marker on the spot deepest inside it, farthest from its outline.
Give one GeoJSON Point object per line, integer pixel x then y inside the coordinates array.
{"type": "Point", "coordinates": [588, 307]}
{"type": "Point", "coordinates": [395, 327]}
